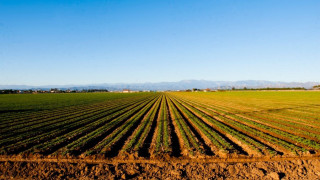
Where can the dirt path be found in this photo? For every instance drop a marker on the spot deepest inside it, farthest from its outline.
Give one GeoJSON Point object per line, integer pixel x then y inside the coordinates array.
{"type": "Point", "coordinates": [157, 161]}
{"type": "Point", "coordinates": [306, 167]}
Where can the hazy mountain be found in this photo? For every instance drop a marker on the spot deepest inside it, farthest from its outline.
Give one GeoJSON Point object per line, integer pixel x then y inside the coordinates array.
{"type": "Point", "coordinates": [180, 85]}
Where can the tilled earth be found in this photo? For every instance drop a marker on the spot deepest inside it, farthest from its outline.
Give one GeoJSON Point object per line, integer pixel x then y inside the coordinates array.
{"type": "Point", "coordinates": [293, 169]}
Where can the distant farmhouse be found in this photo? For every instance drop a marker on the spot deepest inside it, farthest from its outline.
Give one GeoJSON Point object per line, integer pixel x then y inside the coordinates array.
{"type": "Point", "coordinates": [54, 90]}
{"type": "Point", "coordinates": [126, 91]}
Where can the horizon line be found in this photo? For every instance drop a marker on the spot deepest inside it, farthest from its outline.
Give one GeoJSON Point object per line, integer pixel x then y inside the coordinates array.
{"type": "Point", "coordinates": [155, 82]}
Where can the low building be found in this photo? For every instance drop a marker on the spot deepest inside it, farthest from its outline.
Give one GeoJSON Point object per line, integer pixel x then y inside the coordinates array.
{"type": "Point", "coordinates": [54, 90]}
{"type": "Point", "coordinates": [126, 91]}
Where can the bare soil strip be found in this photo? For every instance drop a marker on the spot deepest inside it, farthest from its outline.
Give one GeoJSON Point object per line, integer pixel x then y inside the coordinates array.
{"type": "Point", "coordinates": [157, 161]}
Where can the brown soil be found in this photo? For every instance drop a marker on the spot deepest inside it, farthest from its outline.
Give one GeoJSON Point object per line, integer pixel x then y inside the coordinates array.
{"type": "Point", "coordinates": [287, 168]}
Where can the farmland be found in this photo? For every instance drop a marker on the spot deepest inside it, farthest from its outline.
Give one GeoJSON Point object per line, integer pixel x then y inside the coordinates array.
{"type": "Point", "coordinates": [241, 126]}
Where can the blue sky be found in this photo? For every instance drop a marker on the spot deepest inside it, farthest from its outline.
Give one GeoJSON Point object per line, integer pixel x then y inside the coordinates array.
{"type": "Point", "coordinates": [86, 42]}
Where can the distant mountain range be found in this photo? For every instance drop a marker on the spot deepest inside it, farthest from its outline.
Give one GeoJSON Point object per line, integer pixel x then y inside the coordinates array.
{"type": "Point", "coordinates": [180, 85]}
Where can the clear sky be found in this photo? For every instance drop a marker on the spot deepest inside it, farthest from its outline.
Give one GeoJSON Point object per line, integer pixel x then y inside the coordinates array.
{"type": "Point", "coordinates": [61, 42]}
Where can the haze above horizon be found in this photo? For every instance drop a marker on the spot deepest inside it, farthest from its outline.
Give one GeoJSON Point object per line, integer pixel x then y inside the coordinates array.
{"type": "Point", "coordinates": [92, 42]}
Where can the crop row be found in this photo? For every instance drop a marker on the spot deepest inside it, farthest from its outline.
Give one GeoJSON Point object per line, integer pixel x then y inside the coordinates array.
{"type": "Point", "coordinates": [278, 132]}
{"type": "Point", "coordinates": [31, 138]}
{"type": "Point", "coordinates": [166, 124]}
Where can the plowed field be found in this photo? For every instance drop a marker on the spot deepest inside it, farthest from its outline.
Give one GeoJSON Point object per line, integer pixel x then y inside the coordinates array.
{"type": "Point", "coordinates": [158, 128]}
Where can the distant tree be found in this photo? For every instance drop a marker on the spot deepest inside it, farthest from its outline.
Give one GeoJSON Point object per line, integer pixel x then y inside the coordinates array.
{"type": "Point", "coordinates": [316, 87]}
{"type": "Point", "coordinates": [233, 88]}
